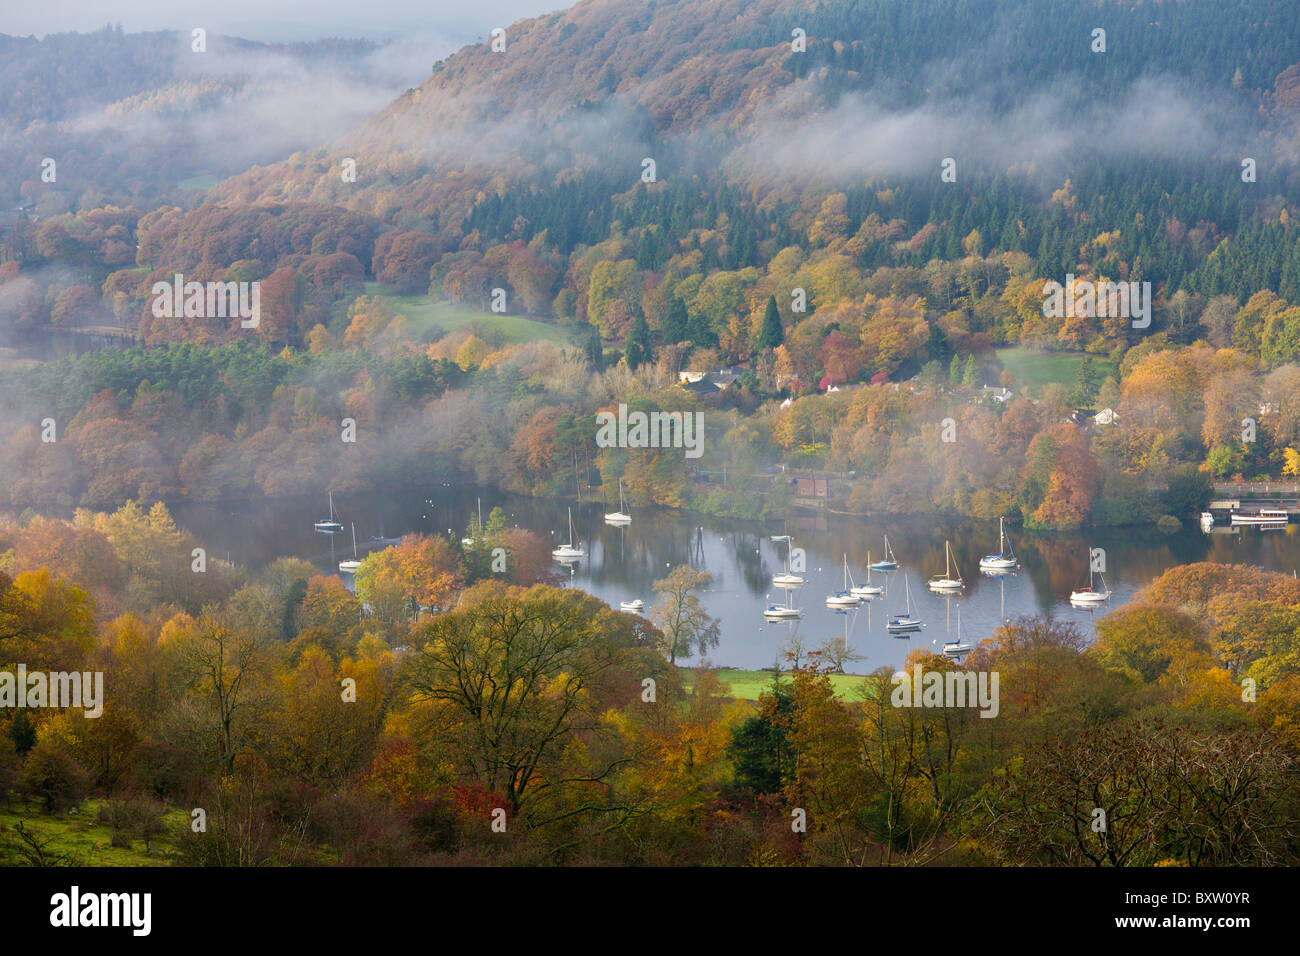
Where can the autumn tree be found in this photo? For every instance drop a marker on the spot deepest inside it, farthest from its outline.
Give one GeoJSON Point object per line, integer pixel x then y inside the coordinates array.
{"type": "Point", "coordinates": [680, 615]}
{"type": "Point", "coordinates": [514, 677]}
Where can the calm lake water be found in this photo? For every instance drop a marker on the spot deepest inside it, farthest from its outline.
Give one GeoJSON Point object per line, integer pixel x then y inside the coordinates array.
{"type": "Point", "coordinates": [623, 563]}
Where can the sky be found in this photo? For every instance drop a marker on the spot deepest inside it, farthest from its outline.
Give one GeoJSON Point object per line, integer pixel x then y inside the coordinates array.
{"type": "Point", "coordinates": [457, 21]}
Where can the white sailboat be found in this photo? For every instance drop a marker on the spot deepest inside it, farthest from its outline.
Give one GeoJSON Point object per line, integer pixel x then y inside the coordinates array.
{"type": "Point", "coordinates": [845, 597]}
{"type": "Point", "coordinates": [619, 516]}
{"type": "Point", "coordinates": [1090, 594]}
{"type": "Point", "coordinates": [957, 648]}
{"type": "Point", "coordinates": [567, 552]}
{"type": "Point", "coordinates": [907, 620]}
{"type": "Point", "coordinates": [867, 590]}
{"type": "Point", "coordinates": [947, 582]}
{"type": "Point", "coordinates": [786, 579]}
{"type": "Point", "coordinates": [351, 565]}
{"type": "Point", "coordinates": [888, 564]}
{"type": "Point", "coordinates": [1005, 559]}
{"type": "Point", "coordinates": [330, 525]}
{"type": "Point", "coordinates": [778, 612]}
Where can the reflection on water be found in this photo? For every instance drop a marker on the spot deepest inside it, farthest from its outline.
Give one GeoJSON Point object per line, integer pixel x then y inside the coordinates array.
{"type": "Point", "coordinates": [623, 562]}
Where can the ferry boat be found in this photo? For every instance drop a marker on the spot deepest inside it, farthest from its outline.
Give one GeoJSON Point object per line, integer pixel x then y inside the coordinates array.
{"type": "Point", "coordinates": [1264, 517]}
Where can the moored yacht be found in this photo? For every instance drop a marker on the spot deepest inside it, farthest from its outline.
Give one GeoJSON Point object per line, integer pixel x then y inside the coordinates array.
{"type": "Point", "coordinates": [1005, 559]}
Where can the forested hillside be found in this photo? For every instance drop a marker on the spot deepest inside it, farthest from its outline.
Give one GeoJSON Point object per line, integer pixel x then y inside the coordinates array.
{"type": "Point", "coordinates": [860, 195]}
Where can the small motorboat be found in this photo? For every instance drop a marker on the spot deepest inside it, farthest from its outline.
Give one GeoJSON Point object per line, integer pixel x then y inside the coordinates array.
{"type": "Point", "coordinates": [636, 605]}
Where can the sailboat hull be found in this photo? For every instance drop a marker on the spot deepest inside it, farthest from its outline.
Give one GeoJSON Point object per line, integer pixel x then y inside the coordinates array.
{"type": "Point", "coordinates": [782, 613]}
{"type": "Point", "coordinates": [1089, 597]}
{"type": "Point", "coordinates": [996, 562]}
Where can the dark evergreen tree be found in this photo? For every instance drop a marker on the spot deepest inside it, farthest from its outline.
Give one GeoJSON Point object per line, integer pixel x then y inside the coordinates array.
{"type": "Point", "coordinates": [772, 333]}
{"type": "Point", "coordinates": [594, 351]}
{"type": "Point", "coordinates": [676, 321]}
{"type": "Point", "coordinates": [639, 349]}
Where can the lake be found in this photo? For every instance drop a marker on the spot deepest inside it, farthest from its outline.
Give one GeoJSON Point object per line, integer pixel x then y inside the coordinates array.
{"type": "Point", "coordinates": [623, 563]}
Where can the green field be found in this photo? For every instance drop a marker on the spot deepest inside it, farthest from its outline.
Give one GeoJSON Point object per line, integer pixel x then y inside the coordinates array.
{"type": "Point", "coordinates": [747, 685]}
{"type": "Point", "coordinates": [424, 315]}
{"type": "Point", "coordinates": [78, 839]}
{"type": "Point", "coordinates": [1034, 368]}
{"type": "Point", "coordinates": [204, 181]}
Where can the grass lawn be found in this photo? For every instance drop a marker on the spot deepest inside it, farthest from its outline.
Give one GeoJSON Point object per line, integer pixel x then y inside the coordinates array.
{"type": "Point", "coordinates": [423, 314]}
{"type": "Point", "coordinates": [1034, 368]}
{"type": "Point", "coordinates": [79, 838]}
{"type": "Point", "coordinates": [747, 685]}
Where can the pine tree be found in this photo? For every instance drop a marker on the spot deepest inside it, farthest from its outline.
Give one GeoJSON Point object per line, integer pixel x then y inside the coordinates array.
{"type": "Point", "coordinates": [954, 371]}
{"type": "Point", "coordinates": [595, 353]}
{"type": "Point", "coordinates": [772, 334]}
{"type": "Point", "coordinates": [972, 375]}
{"type": "Point", "coordinates": [638, 350]}
{"type": "Point", "coordinates": [675, 321]}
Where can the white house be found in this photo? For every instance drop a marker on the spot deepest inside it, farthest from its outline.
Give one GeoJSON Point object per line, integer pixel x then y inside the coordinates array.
{"type": "Point", "coordinates": [1106, 416]}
